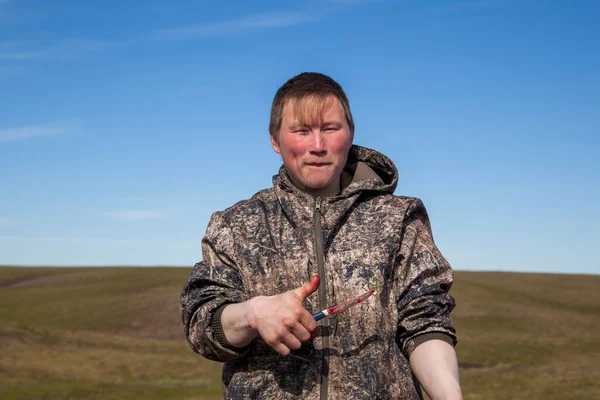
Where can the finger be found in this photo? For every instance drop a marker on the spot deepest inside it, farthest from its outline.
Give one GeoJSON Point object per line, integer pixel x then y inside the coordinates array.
{"type": "Point", "coordinates": [291, 342]}
{"type": "Point", "coordinates": [281, 349]}
{"type": "Point", "coordinates": [301, 333]}
{"type": "Point", "coordinates": [308, 288]}
{"type": "Point", "coordinates": [308, 322]}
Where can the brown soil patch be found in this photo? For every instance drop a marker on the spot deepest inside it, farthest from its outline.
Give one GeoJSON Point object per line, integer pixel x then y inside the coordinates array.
{"type": "Point", "coordinates": [156, 316]}
{"type": "Point", "coordinates": [6, 283]}
{"type": "Point", "coordinates": [58, 279]}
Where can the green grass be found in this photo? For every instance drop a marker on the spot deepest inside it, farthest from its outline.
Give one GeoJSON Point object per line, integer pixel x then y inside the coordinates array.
{"type": "Point", "coordinates": [115, 333]}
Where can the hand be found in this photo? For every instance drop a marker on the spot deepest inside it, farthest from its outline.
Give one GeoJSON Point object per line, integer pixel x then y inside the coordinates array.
{"type": "Point", "coordinates": [282, 321]}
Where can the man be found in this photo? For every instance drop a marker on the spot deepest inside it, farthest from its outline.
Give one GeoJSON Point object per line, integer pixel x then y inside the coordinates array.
{"type": "Point", "coordinates": [330, 224]}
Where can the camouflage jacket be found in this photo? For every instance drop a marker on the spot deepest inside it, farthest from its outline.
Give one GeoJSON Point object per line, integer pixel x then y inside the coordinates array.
{"type": "Point", "coordinates": [364, 238]}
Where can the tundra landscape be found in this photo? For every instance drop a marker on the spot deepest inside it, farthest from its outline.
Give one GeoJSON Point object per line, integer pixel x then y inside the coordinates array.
{"type": "Point", "coordinates": [115, 333]}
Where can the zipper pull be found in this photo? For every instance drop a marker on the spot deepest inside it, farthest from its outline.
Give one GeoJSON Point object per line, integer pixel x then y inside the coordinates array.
{"type": "Point", "coordinates": [318, 204]}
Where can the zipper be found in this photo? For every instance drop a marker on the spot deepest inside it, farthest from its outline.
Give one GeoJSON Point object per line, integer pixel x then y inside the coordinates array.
{"type": "Point", "coordinates": [324, 323]}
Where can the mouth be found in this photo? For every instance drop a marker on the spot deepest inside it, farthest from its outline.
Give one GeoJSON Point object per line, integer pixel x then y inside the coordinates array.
{"type": "Point", "coordinates": [318, 164]}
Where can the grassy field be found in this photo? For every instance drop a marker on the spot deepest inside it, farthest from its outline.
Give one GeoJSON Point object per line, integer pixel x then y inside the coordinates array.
{"type": "Point", "coordinates": [115, 333]}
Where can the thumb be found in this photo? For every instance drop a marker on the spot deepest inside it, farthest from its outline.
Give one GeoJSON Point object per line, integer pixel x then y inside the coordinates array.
{"type": "Point", "coordinates": [308, 288]}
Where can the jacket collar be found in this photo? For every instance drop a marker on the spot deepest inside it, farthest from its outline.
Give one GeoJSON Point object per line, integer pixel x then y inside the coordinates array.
{"type": "Point", "coordinates": [365, 170]}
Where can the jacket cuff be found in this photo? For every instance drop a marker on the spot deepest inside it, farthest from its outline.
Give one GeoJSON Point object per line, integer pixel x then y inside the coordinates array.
{"type": "Point", "coordinates": [420, 339]}
{"type": "Point", "coordinates": [219, 334]}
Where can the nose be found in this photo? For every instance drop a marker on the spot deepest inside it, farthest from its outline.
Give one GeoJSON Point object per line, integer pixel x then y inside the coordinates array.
{"type": "Point", "coordinates": [318, 145]}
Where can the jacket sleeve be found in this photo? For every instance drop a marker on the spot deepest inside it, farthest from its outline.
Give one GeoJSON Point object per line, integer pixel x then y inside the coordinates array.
{"type": "Point", "coordinates": [213, 283]}
{"type": "Point", "coordinates": [425, 277]}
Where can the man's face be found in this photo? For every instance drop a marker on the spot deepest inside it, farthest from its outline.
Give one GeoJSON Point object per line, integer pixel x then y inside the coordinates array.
{"type": "Point", "coordinates": [314, 152]}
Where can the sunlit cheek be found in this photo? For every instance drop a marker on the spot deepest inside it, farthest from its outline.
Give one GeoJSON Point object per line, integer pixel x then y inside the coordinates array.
{"type": "Point", "coordinates": [298, 146]}
{"type": "Point", "coordinates": [340, 143]}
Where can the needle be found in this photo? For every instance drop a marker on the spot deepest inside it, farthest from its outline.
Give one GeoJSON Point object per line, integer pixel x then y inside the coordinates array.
{"type": "Point", "coordinates": [343, 306]}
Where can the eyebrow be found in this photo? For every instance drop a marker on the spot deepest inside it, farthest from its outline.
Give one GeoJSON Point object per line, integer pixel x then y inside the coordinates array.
{"type": "Point", "coordinates": [295, 127]}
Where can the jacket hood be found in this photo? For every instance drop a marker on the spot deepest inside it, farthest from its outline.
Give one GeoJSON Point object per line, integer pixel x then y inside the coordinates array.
{"type": "Point", "coordinates": [368, 170]}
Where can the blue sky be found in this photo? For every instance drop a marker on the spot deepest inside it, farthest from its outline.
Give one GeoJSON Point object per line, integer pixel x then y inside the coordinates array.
{"type": "Point", "coordinates": [124, 125]}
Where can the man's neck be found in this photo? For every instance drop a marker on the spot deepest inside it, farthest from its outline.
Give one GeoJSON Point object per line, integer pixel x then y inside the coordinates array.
{"type": "Point", "coordinates": [329, 191]}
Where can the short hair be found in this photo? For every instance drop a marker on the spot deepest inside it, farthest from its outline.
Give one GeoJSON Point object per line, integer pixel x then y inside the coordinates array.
{"type": "Point", "coordinates": [315, 89]}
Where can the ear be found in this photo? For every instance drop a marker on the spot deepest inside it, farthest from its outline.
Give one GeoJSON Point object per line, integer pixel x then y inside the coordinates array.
{"type": "Point", "coordinates": [275, 144]}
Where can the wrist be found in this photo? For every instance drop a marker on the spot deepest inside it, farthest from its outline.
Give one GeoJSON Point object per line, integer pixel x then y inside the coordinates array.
{"type": "Point", "coordinates": [251, 311]}
{"type": "Point", "coordinates": [236, 328]}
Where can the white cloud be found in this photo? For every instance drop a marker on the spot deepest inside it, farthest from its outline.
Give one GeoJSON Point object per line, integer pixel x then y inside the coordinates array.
{"type": "Point", "coordinates": [67, 239]}
{"type": "Point", "coordinates": [27, 132]}
{"type": "Point", "coordinates": [135, 215]}
{"type": "Point", "coordinates": [6, 222]}
{"type": "Point", "coordinates": [465, 4]}
{"type": "Point", "coordinates": [238, 25]}
{"type": "Point", "coordinates": [10, 71]}
{"type": "Point", "coordinates": [136, 198]}
{"type": "Point", "coordinates": [61, 50]}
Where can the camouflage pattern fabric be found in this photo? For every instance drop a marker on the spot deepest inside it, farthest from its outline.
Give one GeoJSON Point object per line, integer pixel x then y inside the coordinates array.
{"type": "Point", "coordinates": [372, 240]}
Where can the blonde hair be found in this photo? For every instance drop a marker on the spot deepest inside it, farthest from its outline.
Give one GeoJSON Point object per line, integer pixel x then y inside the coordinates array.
{"type": "Point", "coordinates": [309, 94]}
